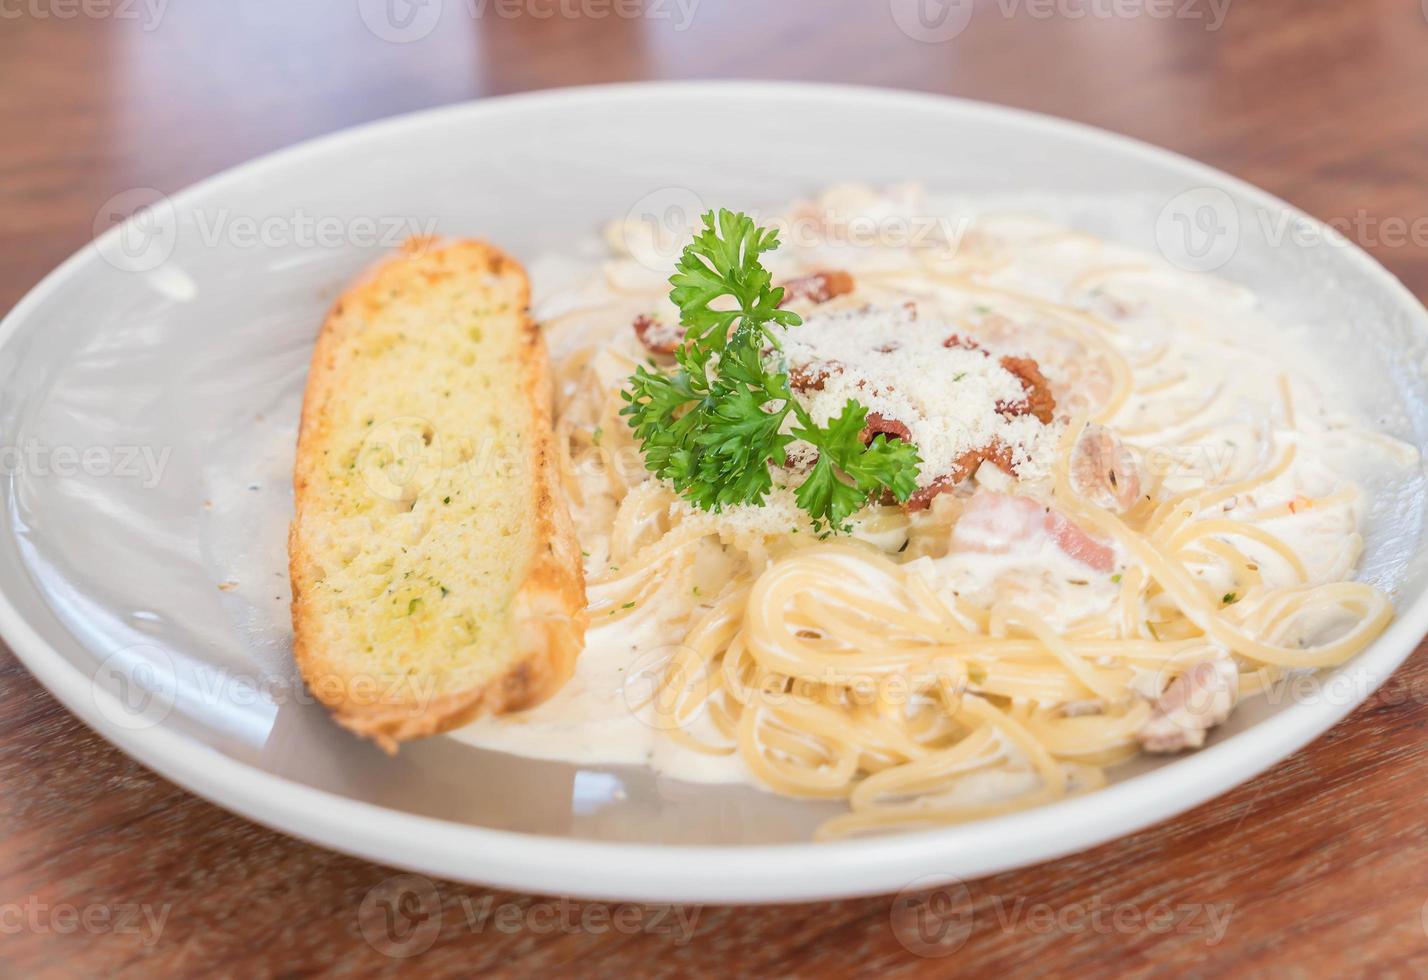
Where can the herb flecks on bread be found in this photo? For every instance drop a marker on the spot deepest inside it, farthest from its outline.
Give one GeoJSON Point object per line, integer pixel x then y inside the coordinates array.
{"type": "Point", "coordinates": [436, 575]}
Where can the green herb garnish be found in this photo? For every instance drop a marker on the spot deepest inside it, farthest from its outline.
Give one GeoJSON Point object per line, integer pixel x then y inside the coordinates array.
{"type": "Point", "coordinates": [715, 424]}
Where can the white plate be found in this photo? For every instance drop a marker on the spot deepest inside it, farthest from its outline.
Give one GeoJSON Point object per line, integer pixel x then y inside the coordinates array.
{"type": "Point", "coordinates": [187, 332]}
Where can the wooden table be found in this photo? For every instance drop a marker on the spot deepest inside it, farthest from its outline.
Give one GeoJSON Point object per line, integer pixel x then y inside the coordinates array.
{"type": "Point", "coordinates": [1320, 866]}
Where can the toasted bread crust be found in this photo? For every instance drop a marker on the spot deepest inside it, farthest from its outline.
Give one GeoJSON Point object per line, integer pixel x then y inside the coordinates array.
{"type": "Point", "coordinates": [548, 614]}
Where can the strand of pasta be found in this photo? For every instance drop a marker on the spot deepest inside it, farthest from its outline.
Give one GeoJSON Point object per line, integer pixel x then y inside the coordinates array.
{"type": "Point", "coordinates": [1181, 586]}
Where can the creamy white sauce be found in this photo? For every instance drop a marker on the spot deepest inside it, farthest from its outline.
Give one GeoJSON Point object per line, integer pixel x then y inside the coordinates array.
{"type": "Point", "coordinates": [603, 716]}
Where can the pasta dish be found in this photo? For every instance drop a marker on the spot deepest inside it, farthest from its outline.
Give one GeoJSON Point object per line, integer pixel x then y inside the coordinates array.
{"type": "Point", "coordinates": [1128, 512]}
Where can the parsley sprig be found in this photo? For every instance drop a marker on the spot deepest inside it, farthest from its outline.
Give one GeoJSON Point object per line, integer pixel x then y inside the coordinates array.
{"type": "Point", "coordinates": [714, 425]}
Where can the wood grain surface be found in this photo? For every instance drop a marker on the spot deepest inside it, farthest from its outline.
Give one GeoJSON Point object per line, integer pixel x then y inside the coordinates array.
{"type": "Point", "coordinates": [1319, 867]}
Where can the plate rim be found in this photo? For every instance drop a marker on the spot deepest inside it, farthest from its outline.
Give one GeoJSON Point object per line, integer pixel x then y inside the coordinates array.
{"type": "Point", "coordinates": [745, 874]}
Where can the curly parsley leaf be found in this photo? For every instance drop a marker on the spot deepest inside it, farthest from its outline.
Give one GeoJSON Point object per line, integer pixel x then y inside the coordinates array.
{"type": "Point", "coordinates": [723, 261]}
{"type": "Point", "coordinates": [714, 425]}
{"type": "Point", "coordinates": [882, 465]}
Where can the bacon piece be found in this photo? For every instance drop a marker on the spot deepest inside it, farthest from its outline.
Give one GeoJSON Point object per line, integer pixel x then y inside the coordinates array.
{"type": "Point", "coordinates": [1103, 471]}
{"type": "Point", "coordinates": [1000, 524]}
{"type": "Point", "coordinates": [966, 343]}
{"type": "Point", "coordinates": [997, 454]}
{"type": "Point", "coordinates": [922, 497]}
{"type": "Point", "coordinates": [817, 287]}
{"type": "Point", "coordinates": [1039, 401]}
{"type": "Point", "coordinates": [1195, 702]}
{"type": "Point", "coordinates": [881, 425]}
{"type": "Point", "coordinates": [657, 336]}
{"type": "Point", "coordinates": [1078, 544]}
{"type": "Point", "coordinates": [812, 376]}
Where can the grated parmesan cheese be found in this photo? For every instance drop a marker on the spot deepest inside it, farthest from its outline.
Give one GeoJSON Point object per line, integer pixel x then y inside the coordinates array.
{"type": "Point", "coordinates": [899, 367]}
{"type": "Point", "coordinates": [779, 514]}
